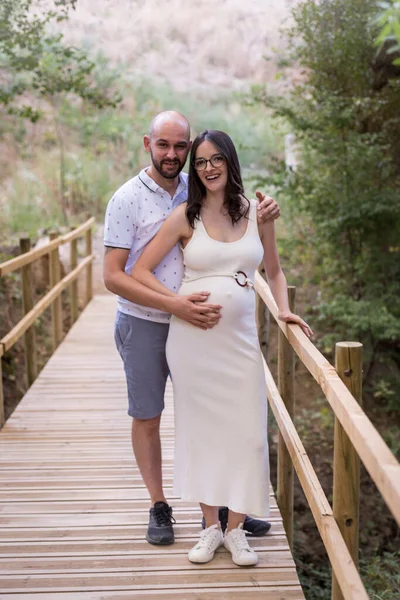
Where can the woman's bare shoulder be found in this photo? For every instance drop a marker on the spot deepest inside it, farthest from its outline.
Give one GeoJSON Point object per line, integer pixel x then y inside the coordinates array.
{"type": "Point", "coordinates": [179, 218]}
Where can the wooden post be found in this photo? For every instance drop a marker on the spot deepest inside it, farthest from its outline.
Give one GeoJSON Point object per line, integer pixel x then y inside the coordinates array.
{"type": "Point", "coordinates": [28, 304]}
{"type": "Point", "coordinates": [89, 276]}
{"type": "Point", "coordinates": [346, 462]}
{"type": "Point", "coordinates": [74, 285]}
{"type": "Point", "coordinates": [56, 310]}
{"type": "Point", "coordinates": [2, 417]}
{"type": "Point", "coordinates": [263, 318]}
{"type": "Point", "coordinates": [285, 475]}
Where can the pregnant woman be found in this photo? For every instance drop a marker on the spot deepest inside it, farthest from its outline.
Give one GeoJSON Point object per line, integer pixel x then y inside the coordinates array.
{"type": "Point", "coordinates": [221, 449]}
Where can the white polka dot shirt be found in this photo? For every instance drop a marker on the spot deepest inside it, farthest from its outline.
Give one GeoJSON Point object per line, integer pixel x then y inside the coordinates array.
{"type": "Point", "coordinates": [133, 217]}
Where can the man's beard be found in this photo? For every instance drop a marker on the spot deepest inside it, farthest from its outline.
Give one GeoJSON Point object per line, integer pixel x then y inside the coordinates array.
{"type": "Point", "coordinates": [168, 174]}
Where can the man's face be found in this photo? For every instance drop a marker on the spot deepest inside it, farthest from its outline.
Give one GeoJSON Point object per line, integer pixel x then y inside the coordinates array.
{"type": "Point", "coordinates": [168, 146]}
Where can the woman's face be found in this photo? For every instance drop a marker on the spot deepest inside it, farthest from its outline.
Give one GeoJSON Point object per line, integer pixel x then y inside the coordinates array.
{"type": "Point", "coordinates": [213, 175]}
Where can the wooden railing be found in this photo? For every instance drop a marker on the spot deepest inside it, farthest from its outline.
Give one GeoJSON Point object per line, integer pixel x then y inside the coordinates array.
{"type": "Point", "coordinates": [355, 438]}
{"type": "Point", "coordinates": [32, 311]}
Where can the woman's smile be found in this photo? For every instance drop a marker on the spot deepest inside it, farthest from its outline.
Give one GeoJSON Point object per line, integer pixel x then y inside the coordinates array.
{"type": "Point", "coordinates": [213, 176]}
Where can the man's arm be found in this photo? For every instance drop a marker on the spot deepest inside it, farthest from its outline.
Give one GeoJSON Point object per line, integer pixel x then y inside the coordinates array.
{"type": "Point", "coordinates": [184, 307]}
{"type": "Point", "coordinates": [118, 282]}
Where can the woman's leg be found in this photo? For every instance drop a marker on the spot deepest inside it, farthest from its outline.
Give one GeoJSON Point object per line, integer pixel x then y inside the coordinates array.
{"type": "Point", "coordinates": [236, 542]}
{"type": "Point", "coordinates": [234, 519]}
{"type": "Point", "coordinates": [210, 514]}
{"type": "Point", "coordinates": [211, 538]}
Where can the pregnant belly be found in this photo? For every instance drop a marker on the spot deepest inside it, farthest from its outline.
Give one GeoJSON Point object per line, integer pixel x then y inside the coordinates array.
{"type": "Point", "coordinates": [238, 303]}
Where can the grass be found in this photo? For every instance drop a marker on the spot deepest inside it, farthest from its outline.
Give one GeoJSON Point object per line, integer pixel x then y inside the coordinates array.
{"type": "Point", "coordinates": [382, 576]}
{"type": "Point", "coordinates": [102, 149]}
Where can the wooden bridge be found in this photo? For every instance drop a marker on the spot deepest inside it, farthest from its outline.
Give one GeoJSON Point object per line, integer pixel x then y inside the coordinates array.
{"type": "Point", "coordinates": [74, 510]}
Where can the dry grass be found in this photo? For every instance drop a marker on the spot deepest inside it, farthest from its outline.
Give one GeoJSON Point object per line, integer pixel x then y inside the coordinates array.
{"type": "Point", "coordinates": [198, 43]}
{"type": "Point", "coordinates": [204, 50]}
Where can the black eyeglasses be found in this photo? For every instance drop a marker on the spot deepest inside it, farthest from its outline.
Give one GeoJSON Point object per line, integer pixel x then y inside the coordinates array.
{"type": "Point", "coordinates": [216, 161]}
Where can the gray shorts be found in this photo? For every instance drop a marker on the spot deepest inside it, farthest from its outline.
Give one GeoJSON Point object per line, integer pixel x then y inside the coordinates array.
{"type": "Point", "coordinates": [141, 345]}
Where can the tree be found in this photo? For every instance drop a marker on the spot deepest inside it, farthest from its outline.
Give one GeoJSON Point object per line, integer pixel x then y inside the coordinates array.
{"type": "Point", "coordinates": [346, 190]}
{"type": "Point", "coordinates": [23, 37]}
{"type": "Point", "coordinates": [38, 64]}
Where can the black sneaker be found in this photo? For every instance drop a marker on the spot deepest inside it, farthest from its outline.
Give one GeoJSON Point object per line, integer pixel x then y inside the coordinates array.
{"type": "Point", "coordinates": [160, 531]}
{"type": "Point", "coordinates": [255, 527]}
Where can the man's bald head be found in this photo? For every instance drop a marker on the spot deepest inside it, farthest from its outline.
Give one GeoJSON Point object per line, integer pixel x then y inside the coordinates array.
{"type": "Point", "coordinates": [168, 143]}
{"type": "Point", "coordinates": [169, 118]}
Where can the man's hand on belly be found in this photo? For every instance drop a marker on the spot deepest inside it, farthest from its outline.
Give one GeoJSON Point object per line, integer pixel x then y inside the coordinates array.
{"type": "Point", "coordinates": [195, 310]}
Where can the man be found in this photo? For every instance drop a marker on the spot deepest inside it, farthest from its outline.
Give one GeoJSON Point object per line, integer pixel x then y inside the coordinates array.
{"type": "Point", "coordinates": [134, 215]}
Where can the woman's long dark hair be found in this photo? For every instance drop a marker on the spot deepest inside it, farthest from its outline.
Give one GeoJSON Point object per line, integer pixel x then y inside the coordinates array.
{"type": "Point", "coordinates": [234, 192]}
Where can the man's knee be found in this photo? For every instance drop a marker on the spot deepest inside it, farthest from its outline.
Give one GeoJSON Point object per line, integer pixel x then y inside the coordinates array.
{"type": "Point", "coordinates": [147, 425]}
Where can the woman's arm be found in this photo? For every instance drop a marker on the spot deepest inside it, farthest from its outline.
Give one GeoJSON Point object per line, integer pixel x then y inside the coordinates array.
{"type": "Point", "coordinates": [276, 277]}
{"type": "Point", "coordinates": [175, 228]}
{"type": "Point", "coordinates": [192, 308]}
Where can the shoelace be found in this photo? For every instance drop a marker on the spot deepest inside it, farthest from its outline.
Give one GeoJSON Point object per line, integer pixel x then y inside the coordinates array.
{"type": "Point", "coordinates": [238, 537]}
{"type": "Point", "coordinates": [163, 517]}
{"type": "Point", "coordinates": [206, 539]}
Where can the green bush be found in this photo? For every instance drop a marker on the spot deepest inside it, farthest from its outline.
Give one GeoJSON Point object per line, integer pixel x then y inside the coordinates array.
{"type": "Point", "coordinates": [344, 197]}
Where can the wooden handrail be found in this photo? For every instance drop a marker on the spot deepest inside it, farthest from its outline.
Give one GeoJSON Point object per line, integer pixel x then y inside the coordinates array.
{"type": "Point", "coordinates": [339, 556]}
{"type": "Point", "coordinates": [53, 297]}
{"type": "Point", "coordinates": [372, 450]}
{"type": "Point", "coordinates": [24, 259]}
{"type": "Point", "coordinates": [18, 331]}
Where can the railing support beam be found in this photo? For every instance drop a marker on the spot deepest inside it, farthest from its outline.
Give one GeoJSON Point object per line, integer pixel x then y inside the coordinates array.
{"type": "Point", "coordinates": [28, 304]}
{"type": "Point", "coordinates": [56, 307]}
{"type": "Point", "coordinates": [346, 462]}
{"type": "Point", "coordinates": [89, 270]}
{"type": "Point", "coordinates": [73, 290]}
{"type": "Point", "coordinates": [285, 476]}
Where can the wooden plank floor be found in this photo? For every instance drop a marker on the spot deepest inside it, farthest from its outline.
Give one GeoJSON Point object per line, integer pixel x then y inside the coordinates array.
{"type": "Point", "coordinates": [73, 508]}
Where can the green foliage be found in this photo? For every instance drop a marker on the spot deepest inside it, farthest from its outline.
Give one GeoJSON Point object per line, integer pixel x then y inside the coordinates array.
{"type": "Point", "coordinates": [34, 61]}
{"type": "Point", "coordinates": [382, 576]}
{"type": "Point", "coordinates": [104, 148]}
{"type": "Point", "coordinates": [39, 67]}
{"type": "Point", "coordinates": [315, 581]}
{"type": "Point", "coordinates": [344, 197]}
{"type": "Point", "coordinates": [389, 21]}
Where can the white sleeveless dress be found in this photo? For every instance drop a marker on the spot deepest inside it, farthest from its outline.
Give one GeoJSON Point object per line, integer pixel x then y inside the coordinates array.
{"type": "Point", "coordinates": [221, 448]}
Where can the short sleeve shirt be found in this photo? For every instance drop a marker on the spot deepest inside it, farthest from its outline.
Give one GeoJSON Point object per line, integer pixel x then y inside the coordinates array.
{"type": "Point", "coordinates": [133, 217]}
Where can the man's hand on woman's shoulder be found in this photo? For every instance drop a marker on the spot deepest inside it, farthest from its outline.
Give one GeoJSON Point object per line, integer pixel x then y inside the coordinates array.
{"type": "Point", "coordinates": [268, 208]}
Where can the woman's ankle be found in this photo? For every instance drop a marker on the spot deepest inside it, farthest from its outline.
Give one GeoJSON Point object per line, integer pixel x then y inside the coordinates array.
{"type": "Point", "coordinates": [235, 520]}
{"type": "Point", "coordinates": [212, 522]}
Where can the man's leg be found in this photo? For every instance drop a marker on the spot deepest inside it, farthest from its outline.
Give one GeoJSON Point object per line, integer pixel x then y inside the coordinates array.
{"type": "Point", "coordinates": [141, 344]}
{"type": "Point", "coordinates": [146, 446]}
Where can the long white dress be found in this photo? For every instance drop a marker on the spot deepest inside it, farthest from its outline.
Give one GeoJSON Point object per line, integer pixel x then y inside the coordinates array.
{"type": "Point", "coordinates": [221, 448]}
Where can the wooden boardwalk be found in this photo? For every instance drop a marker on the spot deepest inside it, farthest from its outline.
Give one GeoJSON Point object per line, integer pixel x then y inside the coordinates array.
{"type": "Point", "coordinates": [73, 508]}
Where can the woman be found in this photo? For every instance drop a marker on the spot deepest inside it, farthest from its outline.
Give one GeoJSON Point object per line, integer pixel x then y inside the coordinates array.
{"type": "Point", "coordinates": [221, 450]}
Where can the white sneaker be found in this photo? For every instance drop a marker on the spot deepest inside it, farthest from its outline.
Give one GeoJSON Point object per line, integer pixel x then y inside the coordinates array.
{"type": "Point", "coordinates": [210, 539]}
{"type": "Point", "coordinates": [236, 542]}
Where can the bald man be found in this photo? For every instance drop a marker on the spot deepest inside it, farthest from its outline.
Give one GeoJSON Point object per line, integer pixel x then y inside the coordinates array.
{"type": "Point", "coordinates": [133, 217]}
